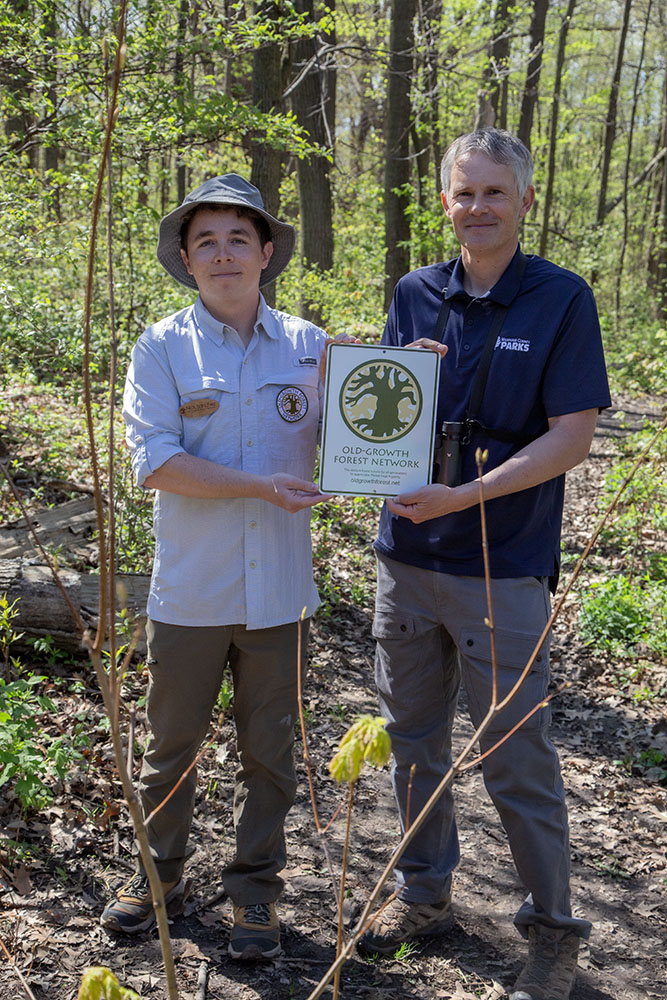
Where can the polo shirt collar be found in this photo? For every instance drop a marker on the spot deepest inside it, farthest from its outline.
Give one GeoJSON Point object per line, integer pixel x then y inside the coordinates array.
{"type": "Point", "coordinates": [504, 291]}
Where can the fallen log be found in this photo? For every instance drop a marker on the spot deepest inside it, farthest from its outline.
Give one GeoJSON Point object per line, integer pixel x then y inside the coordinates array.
{"type": "Point", "coordinates": [43, 610]}
{"type": "Point", "coordinates": [67, 531]}
{"type": "Point", "coordinates": [69, 527]}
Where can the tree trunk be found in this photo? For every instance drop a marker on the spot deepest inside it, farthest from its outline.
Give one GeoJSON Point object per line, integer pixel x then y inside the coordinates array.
{"type": "Point", "coordinates": [397, 134]}
{"type": "Point", "coordinates": [612, 110]}
{"type": "Point", "coordinates": [16, 80]}
{"type": "Point", "coordinates": [426, 141]}
{"type": "Point", "coordinates": [51, 152]}
{"type": "Point", "coordinates": [492, 108]}
{"type": "Point", "coordinates": [179, 88]}
{"type": "Point", "coordinates": [628, 160]}
{"type": "Point", "coordinates": [267, 87]}
{"type": "Point", "coordinates": [313, 102]}
{"type": "Point", "coordinates": [553, 125]}
{"type": "Point", "coordinates": [657, 259]}
{"type": "Point", "coordinates": [532, 84]}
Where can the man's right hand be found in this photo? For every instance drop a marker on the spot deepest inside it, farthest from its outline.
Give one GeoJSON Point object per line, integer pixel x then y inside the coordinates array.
{"type": "Point", "coordinates": [428, 345]}
{"type": "Point", "coordinates": [425, 503]}
{"type": "Point", "coordinates": [293, 494]}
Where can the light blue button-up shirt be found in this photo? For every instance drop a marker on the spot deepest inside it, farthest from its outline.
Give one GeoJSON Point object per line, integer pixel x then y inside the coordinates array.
{"type": "Point", "coordinates": [227, 561]}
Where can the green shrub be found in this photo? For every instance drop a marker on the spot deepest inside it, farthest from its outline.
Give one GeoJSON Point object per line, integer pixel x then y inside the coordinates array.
{"type": "Point", "coordinates": [619, 613]}
{"type": "Point", "coordinates": [28, 756]}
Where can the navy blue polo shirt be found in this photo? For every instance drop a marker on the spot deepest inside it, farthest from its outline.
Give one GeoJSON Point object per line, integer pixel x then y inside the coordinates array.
{"type": "Point", "coordinates": [547, 361]}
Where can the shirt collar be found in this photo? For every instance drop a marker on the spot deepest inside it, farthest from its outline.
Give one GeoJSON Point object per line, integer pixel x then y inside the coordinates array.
{"type": "Point", "coordinates": [213, 328]}
{"type": "Point", "coordinates": [505, 289]}
{"type": "Point", "coordinates": [266, 319]}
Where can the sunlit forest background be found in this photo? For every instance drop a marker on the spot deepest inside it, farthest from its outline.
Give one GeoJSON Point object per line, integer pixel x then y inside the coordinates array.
{"type": "Point", "coordinates": [340, 113]}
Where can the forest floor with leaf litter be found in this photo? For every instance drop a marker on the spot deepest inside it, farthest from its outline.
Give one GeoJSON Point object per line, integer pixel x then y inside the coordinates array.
{"type": "Point", "coordinates": [72, 854]}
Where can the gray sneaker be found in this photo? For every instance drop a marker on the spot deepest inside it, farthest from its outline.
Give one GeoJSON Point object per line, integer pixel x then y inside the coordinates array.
{"type": "Point", "coordinates": [131, 909]}
{"type": "Point", "coordinates": [256, 933]}
{"type": "Point", "coordinates": [551, 967]}
{"type": "Point", "coordinates": [400, 921]}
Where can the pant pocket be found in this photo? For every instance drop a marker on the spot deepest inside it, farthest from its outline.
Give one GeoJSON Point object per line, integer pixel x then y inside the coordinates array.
{"type": "Point", "coordinates": [513, 651]}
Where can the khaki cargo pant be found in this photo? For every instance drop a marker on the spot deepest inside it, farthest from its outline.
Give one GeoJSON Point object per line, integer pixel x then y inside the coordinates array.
{"type": "Point", "coordinates": [430, 635]}
{"type": "Point", "coordinates": [186, 670]}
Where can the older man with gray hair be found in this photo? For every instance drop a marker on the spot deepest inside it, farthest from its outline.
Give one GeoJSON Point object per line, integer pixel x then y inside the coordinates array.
{"type": "Point", "coordinates": [523, 378]}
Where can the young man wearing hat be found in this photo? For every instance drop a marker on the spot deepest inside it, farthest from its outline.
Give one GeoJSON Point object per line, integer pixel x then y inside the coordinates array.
{"type": "Point", "coordinates": [222, 408]}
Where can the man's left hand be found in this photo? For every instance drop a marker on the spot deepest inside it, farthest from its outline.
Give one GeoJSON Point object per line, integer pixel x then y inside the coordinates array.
{"type": "Point", "coordinates": [425, 503]}
{"type": "Point", "coordinates": [341, 338]}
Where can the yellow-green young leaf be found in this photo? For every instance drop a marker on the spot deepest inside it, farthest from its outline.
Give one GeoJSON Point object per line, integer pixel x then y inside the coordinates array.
{"type": "Point", "coordinates": [99, 983]}
{"type": "Point", "coordinates": [366, 739]}
{"type": "Point", "coordinates": [346, 763]}
{"type": "Point", "coordinates": [378, 750]}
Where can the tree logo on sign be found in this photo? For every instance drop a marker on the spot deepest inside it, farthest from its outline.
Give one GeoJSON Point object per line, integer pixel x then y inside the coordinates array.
{"type": "Point", "coordinates": [380, 401]}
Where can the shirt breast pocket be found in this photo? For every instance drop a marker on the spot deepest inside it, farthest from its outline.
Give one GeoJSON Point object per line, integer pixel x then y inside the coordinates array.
{"type": "Point", "coordinates": [291, 408]}
{"type": "Point", "coordinates": [210, 420]}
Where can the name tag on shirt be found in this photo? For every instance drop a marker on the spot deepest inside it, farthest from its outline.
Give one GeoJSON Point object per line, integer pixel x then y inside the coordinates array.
{"type": "Point", "coordinates": [199, 408]}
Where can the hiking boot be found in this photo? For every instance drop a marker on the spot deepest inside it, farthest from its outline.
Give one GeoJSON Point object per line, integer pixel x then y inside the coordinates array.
{"type": "Point", "coordinates": [400, 921]}
{"type": "Point", "coordinates": [551, 967]}
{"type": "Point", "coordinates": [132, 909]}
{"type": "Point", "coordinates": [256, 933]}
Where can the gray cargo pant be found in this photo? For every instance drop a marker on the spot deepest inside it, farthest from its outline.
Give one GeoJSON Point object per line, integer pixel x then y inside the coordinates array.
{"type": "Point", "coordinates": [430, 633]}
{"type": "Point", "coordinates": [186, 670]}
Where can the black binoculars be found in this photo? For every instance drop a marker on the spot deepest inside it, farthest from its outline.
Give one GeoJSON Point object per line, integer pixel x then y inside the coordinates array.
{"type": "Point", "coordinates": [448, 457]}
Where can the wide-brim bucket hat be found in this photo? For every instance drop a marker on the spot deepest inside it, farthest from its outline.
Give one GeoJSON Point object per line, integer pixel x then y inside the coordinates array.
{"type": "Point", "coordinates": [232, 190]}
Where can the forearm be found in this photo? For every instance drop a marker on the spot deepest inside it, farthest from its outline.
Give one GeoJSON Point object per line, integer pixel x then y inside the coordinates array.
{"type": "Point", "coordinates": [202, 479]}
{"type": "Point", "coordinates": [563, 446]}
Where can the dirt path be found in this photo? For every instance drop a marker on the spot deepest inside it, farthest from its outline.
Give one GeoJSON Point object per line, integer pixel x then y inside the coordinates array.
{"type": "Point", "coordinates": [73, 852]}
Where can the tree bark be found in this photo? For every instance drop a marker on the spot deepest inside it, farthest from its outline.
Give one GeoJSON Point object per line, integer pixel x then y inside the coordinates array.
{"type": "Point", "coordinates": [426, 139]}
{"type": "Point", "coordinates": [313, 102]}
{"type": "Point", "coordinates": [553, 125]}
{"type": "Point", "coordinates": [50, 70]}
{"type": "Point", "coordinates": [493, 96]}
{"type": "Point", "coordinates": [16, 79]}
{"type": "Point", "coordinates": [532, 84]}
{"type": "Point", "coordinates": [612, 111]}
{"type": "Point", "coordinates": [657, 257]}
{"type": "Point", "coordinates": [397, 134]}
{"type": "Point", "coordinates": [179, 87]}
{"type": "Point", "coordinates": [43, 611]}
{"type": "Point", "coordinates": [267, 88]}
{"type": "Point", "coordinates": [628, 161]}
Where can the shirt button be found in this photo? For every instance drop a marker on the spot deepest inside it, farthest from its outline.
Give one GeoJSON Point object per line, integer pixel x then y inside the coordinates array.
{"type": "Point", "coordinates": [248, 401]}
{"type": "Point", "coordinates": [253, 564]}
{"type": "Point", "coordinates": [249, 443]}
{"type": "Point", "coordinates": [253, 524]}
{"type": "Point", "coordinates": [466, 347]}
